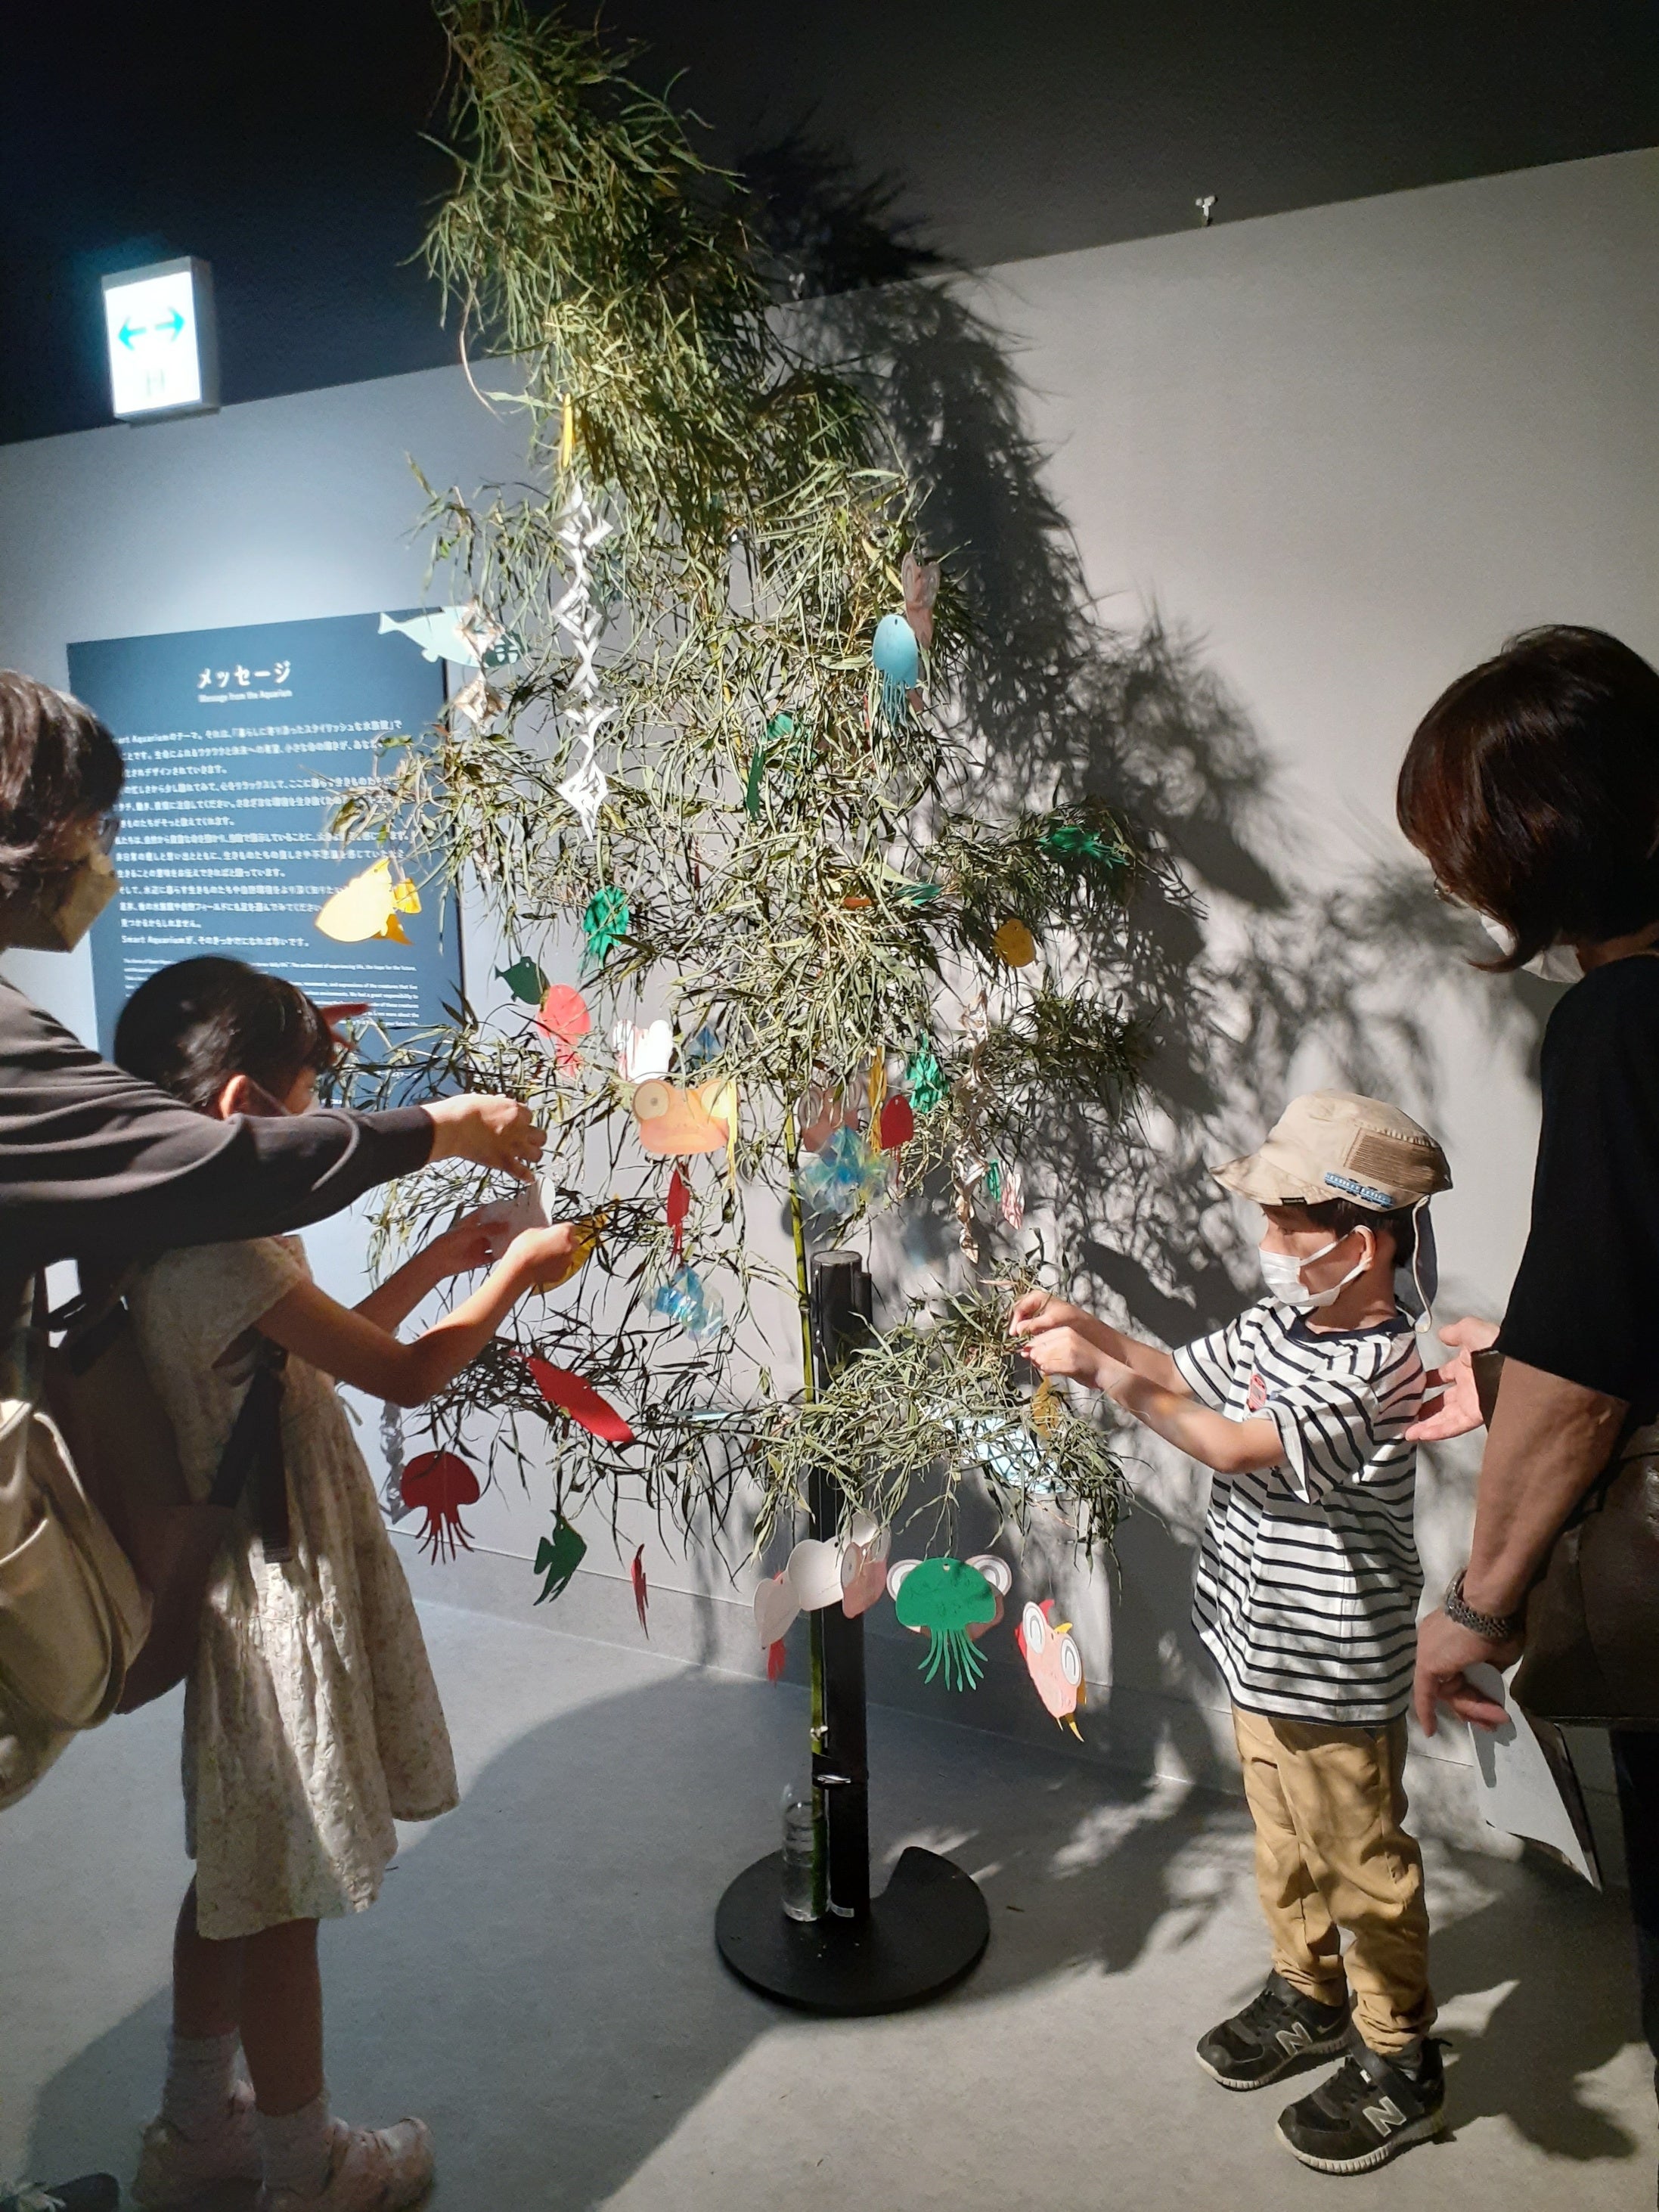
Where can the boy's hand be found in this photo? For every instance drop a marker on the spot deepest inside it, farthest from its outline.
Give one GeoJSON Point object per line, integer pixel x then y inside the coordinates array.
{"type": "Point", "coordinates": [473, 1242]}
{"type": "Point", "coordinates": [1037, 1311]}
{"type": "Point", "coordinates": [1066, 1351]}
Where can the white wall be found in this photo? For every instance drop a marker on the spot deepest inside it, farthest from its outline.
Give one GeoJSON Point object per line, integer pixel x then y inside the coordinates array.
{"type": "Point", "coordinates": [1347, 449]}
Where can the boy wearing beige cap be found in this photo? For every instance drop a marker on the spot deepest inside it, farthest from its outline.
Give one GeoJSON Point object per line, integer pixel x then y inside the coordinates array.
{"type": "Point", "coordinates": [1306, 1598]}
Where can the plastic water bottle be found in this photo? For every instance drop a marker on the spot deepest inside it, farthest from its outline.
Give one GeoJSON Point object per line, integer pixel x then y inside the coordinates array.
{"type": "Point", "coordinates": [800, 1898]}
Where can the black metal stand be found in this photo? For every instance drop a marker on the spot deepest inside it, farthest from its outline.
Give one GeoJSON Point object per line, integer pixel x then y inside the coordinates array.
{"type": "Point", "coordinates": [930, 1927]}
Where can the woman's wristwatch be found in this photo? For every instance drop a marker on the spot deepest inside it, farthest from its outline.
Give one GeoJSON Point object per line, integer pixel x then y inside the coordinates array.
{"type": "Point", "coordinates": [1490, 1627]}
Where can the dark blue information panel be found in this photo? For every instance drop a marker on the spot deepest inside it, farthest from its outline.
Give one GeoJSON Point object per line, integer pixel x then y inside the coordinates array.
{"type": "Point", "coordinates": [238, 743]}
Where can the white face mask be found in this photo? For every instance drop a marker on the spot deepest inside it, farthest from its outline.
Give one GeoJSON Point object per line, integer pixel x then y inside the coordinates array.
{"type": "Point", "coordinates": [1282, 1273]}
{"type": "Point", "coordinates": [1556, 963]}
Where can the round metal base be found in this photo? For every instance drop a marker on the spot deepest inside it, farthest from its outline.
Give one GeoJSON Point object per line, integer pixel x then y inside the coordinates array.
{"type": "Point", "coordinates": [928, 1928]}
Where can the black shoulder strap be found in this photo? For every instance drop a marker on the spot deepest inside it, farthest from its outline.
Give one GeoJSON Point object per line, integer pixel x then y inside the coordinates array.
{"type": "Point", "coordinates": [253, 1453]}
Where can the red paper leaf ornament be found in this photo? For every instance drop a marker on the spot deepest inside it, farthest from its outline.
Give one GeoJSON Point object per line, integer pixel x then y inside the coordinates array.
{"type": "Point", "coordinates": [641, 1595]}
{"type": "Point", "coordinates": [898, 1124]}
{"type": "Point", "coordinates": [679, 1207]}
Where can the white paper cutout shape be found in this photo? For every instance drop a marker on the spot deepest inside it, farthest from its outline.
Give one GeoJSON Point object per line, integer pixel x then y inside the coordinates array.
{"type": "Point", "coordinates": [1518, 1793]}
{"type": "Point", "coordinates": [643, 1054]}
{"type": "Point", "coordinates": [814, 1572]}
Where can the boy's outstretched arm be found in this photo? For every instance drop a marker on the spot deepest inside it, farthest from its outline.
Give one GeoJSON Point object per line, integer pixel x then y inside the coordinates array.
{"type": "Point", "coordinates": [1229, 1447]}
{"type": "Point", "coordinates": [1037, 1313]}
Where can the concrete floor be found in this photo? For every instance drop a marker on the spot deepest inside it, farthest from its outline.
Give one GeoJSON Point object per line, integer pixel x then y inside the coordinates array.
{"type": "Point", "coordinates": [539, 1979]}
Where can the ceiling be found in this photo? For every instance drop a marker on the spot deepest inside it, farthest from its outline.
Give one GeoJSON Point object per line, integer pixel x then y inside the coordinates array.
{"type": "Point", "coordinates": [285, 145]}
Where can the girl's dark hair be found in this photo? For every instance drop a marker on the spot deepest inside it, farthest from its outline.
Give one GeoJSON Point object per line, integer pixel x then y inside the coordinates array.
{"type": "Point", "coordinates": [58, 766]}
{"type": "Point", "coordinates": [1532, 788]}
{"type": "Point", "coordinates": [191, 1027]}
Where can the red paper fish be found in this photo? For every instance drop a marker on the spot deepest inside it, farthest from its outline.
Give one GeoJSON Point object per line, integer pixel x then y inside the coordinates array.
{"type": "Point", "coordinates": [679, 1206]}
{"type": "Point", "coordinates": [898, 1124]}
{"type": "Point", "coordinates": [440, 1484]}
{"type": "Point", "coordinates": [578, 1398]}
{"type": "Point", "coordinates": [777, 1657]}
{"type": "Point", "coordinates": [641, 1595]}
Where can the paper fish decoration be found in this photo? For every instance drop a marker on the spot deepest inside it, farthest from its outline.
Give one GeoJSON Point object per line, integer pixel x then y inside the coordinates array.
{"type": "Point", "coordinates": [896, 653]}
{"type": "Point", "coordinates": [1052, 1661]}
{"type": "Point", "coordinates": [686, 1299]}
{"type": "Point", "coordinates": [674, 1123]}
{"type": "Point", "coordinates": [558, 1557]}
{"type": "Point", "coordinates": [570, 1393]}
{"type": "Point", "coordinates": [948, 1598]}
{"type": "Point", "coordinates": [775, 1608]}
{"type": "Point", "coordinates": [643, 1053]}
{"type": "Point", "coordinates": [525, 980]}
{"type": "Point", "coordinates": [897, 1124]}
{"type": "Point", "coordinates": [641, 1594]}
{"type": "Point", "coordinates": [584, 1244]}
{"type": "Point", "coordinates": [1014, 942]}
{"type": "Point", "coordinates": [439, 1484]}
{"type": "Point", "coordinates": [562, 1020]}
{"type": "Point", "coordinates": [679, 1210]}
{"type": "Point", "coordinates": [368, 906]}
{"type": "Point", "coordinates": [777, 1658]}
{"type": "Point", "coordinates": [814, 1572]}
{"type": "Point", "coordinates": [921, 581]}
{"type": "Point", "coordinates": [605, 921]}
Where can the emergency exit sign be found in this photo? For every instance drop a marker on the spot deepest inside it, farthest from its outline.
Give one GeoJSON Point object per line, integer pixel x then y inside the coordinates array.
{"type": "Point", "coordinates": [163, 350]}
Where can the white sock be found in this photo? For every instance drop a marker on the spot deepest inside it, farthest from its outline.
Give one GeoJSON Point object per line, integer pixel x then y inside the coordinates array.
{"type": "Point", "coordinates": [201, 2074]}
{"type": "Point", "coordinates": [296, 2147]}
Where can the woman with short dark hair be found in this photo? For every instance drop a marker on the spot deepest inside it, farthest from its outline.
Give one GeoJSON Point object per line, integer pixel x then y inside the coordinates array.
{"type": "Point", "coordinates": [1532, 788]}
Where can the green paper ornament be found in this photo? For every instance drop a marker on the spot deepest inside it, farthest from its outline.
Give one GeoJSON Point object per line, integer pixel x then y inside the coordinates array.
{"type": "Point", "coordinates": [751, 790]}
{"type": "Point", "coordinates": [558, 1557]}
{"type": "Point", "coordinates": [606, 922]}
{"type": "Point", "coordinates": [920, 894]}
{"type": "Point", "coordinates": [780, 725]}
{"type": "Point", "coordinates": [525, 980]}
{"type": "Point", "coordinates": [925, 1079]}
{"type": "Point", "coordinates": [947, 1597]}
{"type": "Point", "coordinates": [993, 1182]}
{"type": "Point", "coordinates": [1073, 842]}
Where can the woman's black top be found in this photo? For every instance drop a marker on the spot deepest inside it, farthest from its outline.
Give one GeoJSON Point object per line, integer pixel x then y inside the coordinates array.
{"type": "Point", "coordinates": [96, 1165]}
{"type": "Point", "coordinates": [1585, 1304]}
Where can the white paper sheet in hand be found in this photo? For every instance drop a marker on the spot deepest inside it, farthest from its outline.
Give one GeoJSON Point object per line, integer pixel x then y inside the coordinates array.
{"type": "Point", "coordinates": [1518, 1793]}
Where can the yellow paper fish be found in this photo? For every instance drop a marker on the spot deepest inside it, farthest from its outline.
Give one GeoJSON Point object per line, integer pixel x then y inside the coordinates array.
{"type": "Point", "coordinates": [368, 906]}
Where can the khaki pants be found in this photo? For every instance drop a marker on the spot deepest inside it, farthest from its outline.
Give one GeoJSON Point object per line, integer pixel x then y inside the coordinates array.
{"type": "Point", "coordinates": [1331, 1854]}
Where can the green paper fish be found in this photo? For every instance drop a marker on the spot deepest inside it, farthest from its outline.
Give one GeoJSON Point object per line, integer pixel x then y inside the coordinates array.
{"type": "Point", "coordinates": [525, 980]}
{"type": "Point", "coordinates": [558, 1557]}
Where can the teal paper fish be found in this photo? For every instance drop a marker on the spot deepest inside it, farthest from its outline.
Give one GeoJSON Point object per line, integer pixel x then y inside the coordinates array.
{"type": "Point", "coordinates": [439, 636]}
{"type": "Point", "coordinates": [558, 1557]}
{"type": "Point", "coordinates": [525, 980]}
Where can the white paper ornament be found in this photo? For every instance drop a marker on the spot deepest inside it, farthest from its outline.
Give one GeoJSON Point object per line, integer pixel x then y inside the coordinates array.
{"type": "Point", "coordinates": [814, 1572]}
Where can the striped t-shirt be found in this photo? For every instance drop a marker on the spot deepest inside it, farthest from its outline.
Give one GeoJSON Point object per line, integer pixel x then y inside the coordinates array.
{"type": "Point", "coordinates": [1308, 1573]}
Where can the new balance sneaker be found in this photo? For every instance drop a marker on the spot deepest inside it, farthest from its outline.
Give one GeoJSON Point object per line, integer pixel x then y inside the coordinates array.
{"type": "Point", "coordinates": [174, 2167]}
{"type": "Point", "coordinates": [88, 2193]}
{"type": "Point", "coordinates": [1278, 2032]}
{"type": "Point", "coordinates": [1368, 2111]}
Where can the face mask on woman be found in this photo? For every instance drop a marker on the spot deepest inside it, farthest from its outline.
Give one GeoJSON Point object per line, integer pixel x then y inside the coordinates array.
{"type": "Point", "coordinates": [60, 922]}
{"type": "Point", "coordinates": [1282, 1273]}
{"type": "Point", "coordinates": [1556, 963]}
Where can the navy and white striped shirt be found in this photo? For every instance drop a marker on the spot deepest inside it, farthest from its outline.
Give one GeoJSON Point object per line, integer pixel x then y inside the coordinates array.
{"type": "Point", "coordinates": [1308, 1573]}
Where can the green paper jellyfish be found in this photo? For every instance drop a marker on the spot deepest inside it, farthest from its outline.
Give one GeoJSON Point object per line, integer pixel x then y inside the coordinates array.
{"type": "Point", "coordinates": [606, 922]}
{"type": "Point", "coordinates": [947, 1597]}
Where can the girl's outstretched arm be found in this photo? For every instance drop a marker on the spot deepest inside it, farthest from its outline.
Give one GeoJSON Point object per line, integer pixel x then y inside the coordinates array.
{"type": "Point", "coordinates": [356, 1349]}
{"type": "Point", "coordinates": [470, 1243]}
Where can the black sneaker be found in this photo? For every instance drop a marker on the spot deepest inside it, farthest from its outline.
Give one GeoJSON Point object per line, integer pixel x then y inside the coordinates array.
{"type": "Point", "coordinates": [1276, 2033]}
{"type": "Point", "coordinates": [89, 2192]}
{"type": "Point", "coordinates": [1367, 2112]}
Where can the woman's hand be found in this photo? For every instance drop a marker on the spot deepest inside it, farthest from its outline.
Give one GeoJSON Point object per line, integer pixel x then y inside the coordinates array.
{"type": "Point", "coordinates": [1453, 1408]}
{"type": "Point", "coordinates": [543, 1256]}
{"type": "Point", "coordinates": [1443, 1651]}
{"type": "Point", "coordinates": [1064, 1350]}
{"type": "Point", "coordinates": [491, 1133]}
